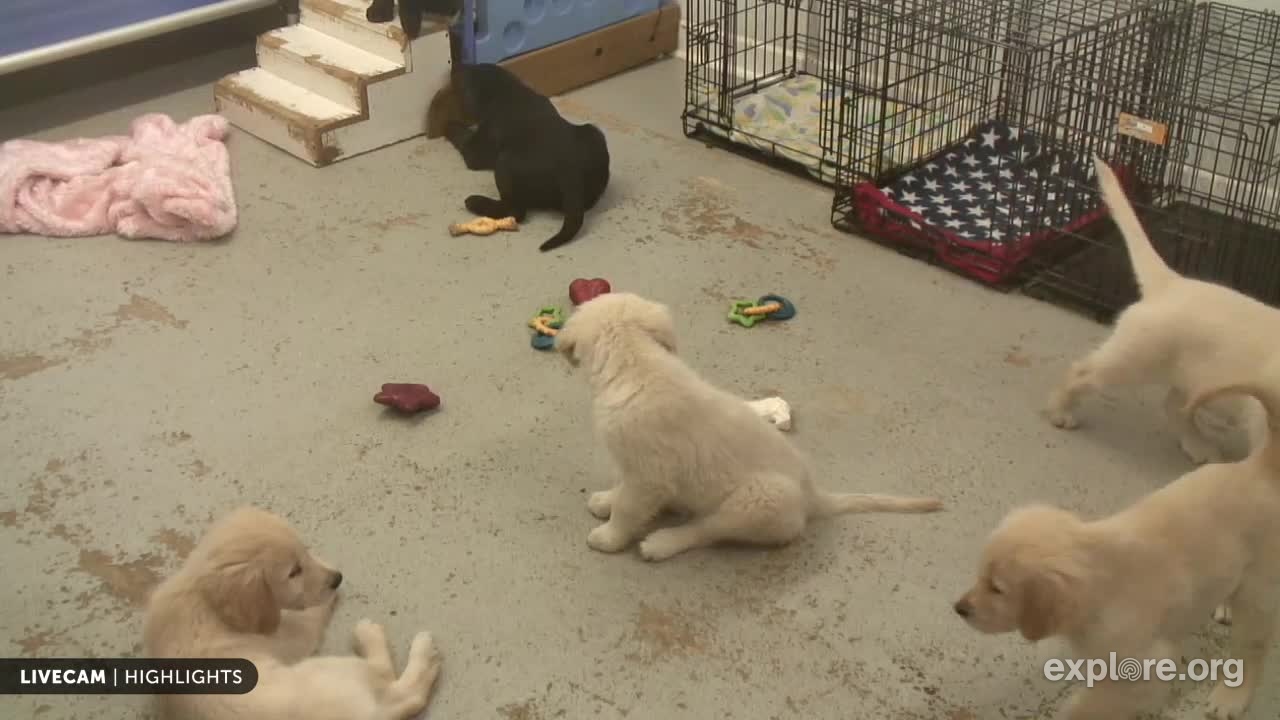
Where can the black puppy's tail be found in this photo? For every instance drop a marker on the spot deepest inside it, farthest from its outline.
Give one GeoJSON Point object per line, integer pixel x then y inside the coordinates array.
{"type": "Point", "coordinates": [572, 204]}
{"type": "Point", "coordinates": [411, 17]}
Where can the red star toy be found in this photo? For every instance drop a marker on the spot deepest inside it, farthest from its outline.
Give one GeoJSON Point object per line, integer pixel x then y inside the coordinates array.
{"type": "Point", "coordinates": [407, 397]}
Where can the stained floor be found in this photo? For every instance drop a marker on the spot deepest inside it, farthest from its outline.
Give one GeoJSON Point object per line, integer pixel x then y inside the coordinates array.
{"type": "Point", "coordinates": [146, 388]}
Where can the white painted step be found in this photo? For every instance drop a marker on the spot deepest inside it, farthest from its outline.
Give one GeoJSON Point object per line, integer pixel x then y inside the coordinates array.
{"type": "Point", "coordinates": [323, 64]}
{"type": "Point", "coordinates": [345, 21]}
{"type": "Point", "coordinates": [283, 114]}
{"type": "Point", "coordinates": [336, 85]}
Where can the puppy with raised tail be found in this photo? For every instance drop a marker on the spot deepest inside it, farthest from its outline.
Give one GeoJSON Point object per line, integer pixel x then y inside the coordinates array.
{"type": "Point", "coordinates": [250, 589]}
{"type": "Point", "coordinates": [683, 445]}
{"type": "Point", "coordinates": [1184, 333]}
{"type": "Point", "coordinates": [1139, 582]}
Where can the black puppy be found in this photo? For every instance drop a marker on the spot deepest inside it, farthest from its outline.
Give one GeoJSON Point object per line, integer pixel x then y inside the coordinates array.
{"type": "Point", "coordinates": [411, 12]}
{"type": "Point", "coordinates": [540, 161]}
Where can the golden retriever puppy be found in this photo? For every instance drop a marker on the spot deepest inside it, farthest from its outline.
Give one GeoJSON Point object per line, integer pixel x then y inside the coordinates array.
{"type": "Point", "coordinates": [1184, 333]}
{"type": "Point", "coordinates": [1139, 582]}
{"type": "Point", "coordinates": [250, 589]}
{"type": "Point", "coordinates": [683, 445]}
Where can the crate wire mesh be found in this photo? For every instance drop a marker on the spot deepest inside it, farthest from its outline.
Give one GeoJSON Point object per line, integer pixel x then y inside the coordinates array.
{"type": "Point", "coordinates": [763, 76]}
{"type": "Point", "coordinates": [1030, 91]}
{"type": "Point", "coordinates": [1214, 210]}
{"type": "Point", "coordinates": [922, 82]}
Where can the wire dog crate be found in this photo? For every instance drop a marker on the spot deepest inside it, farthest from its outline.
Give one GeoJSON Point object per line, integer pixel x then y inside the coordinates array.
{"type": "Point", "coordinates": [764, 76]}
{"type": "Point", "coordinates": [1215, 212]}
{"type": "Point", "coordinates": [1004, 102]}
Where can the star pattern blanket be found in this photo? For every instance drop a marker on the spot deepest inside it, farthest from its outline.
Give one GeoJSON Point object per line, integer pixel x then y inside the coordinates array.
{"type": "Point", "coordinates": [985, 204]}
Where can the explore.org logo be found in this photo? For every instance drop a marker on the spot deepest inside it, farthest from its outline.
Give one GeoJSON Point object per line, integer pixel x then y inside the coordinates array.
{"type": "Point", "coordinates": [126, 676]}
{"type": "Point", "coordinates": [1094, 670]}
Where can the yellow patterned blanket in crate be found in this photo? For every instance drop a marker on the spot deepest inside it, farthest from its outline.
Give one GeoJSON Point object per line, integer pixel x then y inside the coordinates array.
{"type": "Point", "coordinates": [785, 118]}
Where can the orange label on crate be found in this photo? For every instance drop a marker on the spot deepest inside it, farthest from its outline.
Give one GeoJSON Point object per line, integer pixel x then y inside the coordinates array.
{"type": "Point", "coordinates": [1143, 129]}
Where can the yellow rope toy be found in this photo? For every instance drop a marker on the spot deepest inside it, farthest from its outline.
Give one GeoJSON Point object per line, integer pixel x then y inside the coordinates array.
{"type": "Point", "coordinates": [483, 226]}
{"type": "Point", "coordinates": [542, 324]}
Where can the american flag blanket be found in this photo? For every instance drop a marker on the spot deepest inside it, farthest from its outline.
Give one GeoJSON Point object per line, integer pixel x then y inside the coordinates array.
{"type": "Point", "coordinates": [984, 205]}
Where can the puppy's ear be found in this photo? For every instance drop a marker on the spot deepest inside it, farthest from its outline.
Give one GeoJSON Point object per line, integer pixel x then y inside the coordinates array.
{"type": "Point", "coordinates": [1044, 606]}
{"type": "Point", "coordinates": [657, 322]}
{"type": "Point", "coordinates": [241, 595]}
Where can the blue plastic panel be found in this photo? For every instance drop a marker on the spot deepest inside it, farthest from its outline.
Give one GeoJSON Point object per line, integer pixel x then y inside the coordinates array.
{"type": "Point", "coordinates": [506, 28]}
{"type": "Point", "coordinates": [29, 24]}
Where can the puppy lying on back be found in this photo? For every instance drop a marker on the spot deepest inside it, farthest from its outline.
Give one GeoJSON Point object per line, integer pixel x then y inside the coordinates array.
{"type": "Point", "coordinates": [411, 12]}
{"type": "Point", "coordinates": [1139, 582]}
{"type": "Point", "coordinates": [684, 445]}
{"type": "Point", "coordinates": [539, 160]}
{"type": "Point", "coordinates": [1184, 333]}
{"type": "Point", "coordinates": [252, 590]}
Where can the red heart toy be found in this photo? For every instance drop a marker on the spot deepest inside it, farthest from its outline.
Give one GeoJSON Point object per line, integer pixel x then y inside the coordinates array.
{"type": "Point", "coordinates": [582, 290]}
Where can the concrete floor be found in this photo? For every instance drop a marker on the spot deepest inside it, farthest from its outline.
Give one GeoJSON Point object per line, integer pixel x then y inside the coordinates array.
{"type": "Point", "coordinates": [147, 387]}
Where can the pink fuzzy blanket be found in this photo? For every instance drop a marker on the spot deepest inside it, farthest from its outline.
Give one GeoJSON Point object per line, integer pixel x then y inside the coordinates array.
{"type": "Point", "coordinates": [164, 181]}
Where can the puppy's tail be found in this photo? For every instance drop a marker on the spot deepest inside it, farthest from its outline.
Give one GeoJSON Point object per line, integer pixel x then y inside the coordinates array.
{"type": "Point", "coordinates": [827, 504]}
{"type": "Point", "coordinates": [573, 204]}
{"type": "Point", "coordinates": [1265, 394]}
{"type": "Point", "coordinates": [1152, 272]}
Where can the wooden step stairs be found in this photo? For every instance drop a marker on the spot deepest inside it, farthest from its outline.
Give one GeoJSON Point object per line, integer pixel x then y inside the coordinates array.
{"type": "Point", "coordinates": [336, 85]}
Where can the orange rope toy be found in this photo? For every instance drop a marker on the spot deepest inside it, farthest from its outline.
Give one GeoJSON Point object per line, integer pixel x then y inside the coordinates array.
{"type": "Point", "coordinates": [483, 226]}
{"type": "Point", "coordinates": [765, 309]}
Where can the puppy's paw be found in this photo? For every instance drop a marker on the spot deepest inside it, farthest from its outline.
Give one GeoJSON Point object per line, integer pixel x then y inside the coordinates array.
{"type": "Point", "coordinates": [1228, 703]}
{"type": "Point", "coordinates": [1222, 614]}
{"type": "Point", "coordinates": [775, 410]}
{"type": "Point", "coordinates": [484, 207]}
{"type": "Point", "coordinates": [367, 636]}
{"type": "Point", "coordinates": [424, 649]}
{"type": "Point", "coordinates": [1063, 419]}
{"type": "Point", "coordinates": [663, 544]}
{"type": "Point", "coordinates": [606, 539]}
{"type": "Point", "coordinates": [422, 669]}
{"type": "Point", "coordinates": [601, 504]}
{"type": "Point", "coordinates": [1200, 451]}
